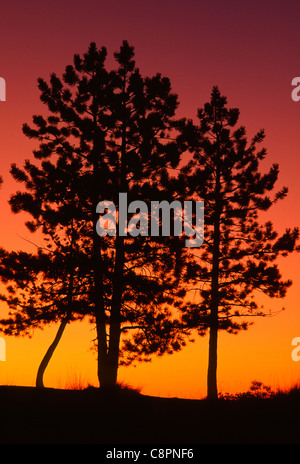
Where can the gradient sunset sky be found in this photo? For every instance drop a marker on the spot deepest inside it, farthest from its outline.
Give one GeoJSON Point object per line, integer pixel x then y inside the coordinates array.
{"type": "Point", "coordinates": [251, 50]}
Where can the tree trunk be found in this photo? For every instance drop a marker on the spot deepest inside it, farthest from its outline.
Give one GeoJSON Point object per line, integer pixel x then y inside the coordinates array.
{"type": "Point", "coordinates": [108, 352]}
{"type": "Point", "coordinates": [212, 389]}
{"type": "Point", "coordinates": [63, 324]}
{"type": "Point", "coordinates": [49, 353]}
{"type": "Point", "coordinates": [99, 308]}
{"type": "Point", "coordinates": [103, 371]}
{"type": "Point", "coordinates": [108, 347]}
{"type": "Point", "coordinates": [115, 315]}
{"type": "Point", "coordinates": [118, 274]}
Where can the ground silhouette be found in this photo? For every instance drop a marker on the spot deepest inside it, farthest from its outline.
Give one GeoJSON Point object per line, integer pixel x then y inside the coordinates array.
{"type": "Point", "coordinates": [49, 416]}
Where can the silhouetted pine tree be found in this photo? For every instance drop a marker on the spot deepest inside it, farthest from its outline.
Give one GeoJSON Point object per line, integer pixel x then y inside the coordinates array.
{"type": "Point", "coordinates": [109, 132]}
{"type": "Point", "coordinates": [52, 285]}
{"type": "Point", "coordinates": [238, 255]}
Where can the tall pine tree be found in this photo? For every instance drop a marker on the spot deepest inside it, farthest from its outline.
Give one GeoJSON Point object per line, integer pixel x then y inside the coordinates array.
{"type": "Point", "coordinates": [108, 132]}
{"type": "Point", "coordinates": [239, 252]}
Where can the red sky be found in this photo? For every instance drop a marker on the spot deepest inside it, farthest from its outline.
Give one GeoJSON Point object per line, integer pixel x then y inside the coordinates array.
{"type": "Point", "coordinates": [250, 50]}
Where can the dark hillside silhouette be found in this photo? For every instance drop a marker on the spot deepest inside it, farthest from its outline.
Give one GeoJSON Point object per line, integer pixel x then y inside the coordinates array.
{"type": "Point", "coordinates": [47, 416]}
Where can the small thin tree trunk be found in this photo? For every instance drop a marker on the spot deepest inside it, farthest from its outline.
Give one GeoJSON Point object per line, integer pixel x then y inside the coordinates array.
{"type": "Point", "coordinates": [49, 353]}
{"type": "Point", "coordinates": [63, 324]}
{"type": "Point", "coordinates": [212, 389]}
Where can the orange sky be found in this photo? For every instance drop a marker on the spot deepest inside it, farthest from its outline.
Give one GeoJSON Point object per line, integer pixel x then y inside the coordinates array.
{"type": "Point", "coordinates": [248, 49]}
